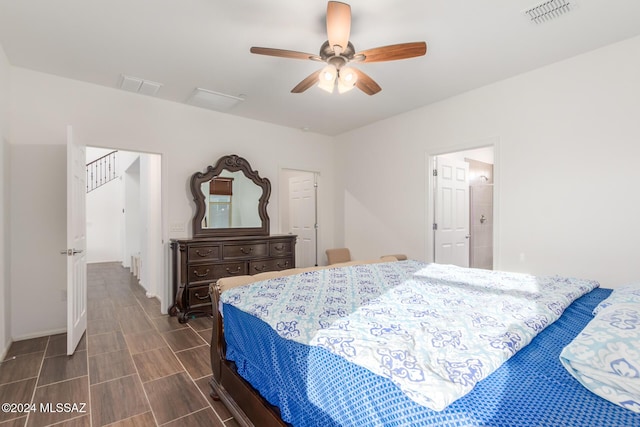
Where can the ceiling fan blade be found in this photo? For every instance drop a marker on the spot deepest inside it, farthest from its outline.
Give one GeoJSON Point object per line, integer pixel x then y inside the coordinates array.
{"type": "Point", "coordinates": [393, 52]}
{"type": "Point", "coordinates": [366, 83]}
{"type": "Point", "coordinates": [338, 24]}
{"type": "Point", "coordinates": [305, 84]}
{"type": "Point", "coordinates": [281, 53]}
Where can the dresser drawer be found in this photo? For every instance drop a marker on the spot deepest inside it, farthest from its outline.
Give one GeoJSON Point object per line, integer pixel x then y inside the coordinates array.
{"type": "Point", "coordinates": [278, 264]}
{"type": "Point", "coordinates": [201, 273]}
{"type": "Point", "coordinates": [282, 248]}
{"type": "Point", "coordinates": [212, 272]}
{"type": "Point", "coordinates": [239, 250]}
{"type": "Point", "coordinates": [231, 269]}
{"type": "Point", "coordinates": [199, 295]}
{"type": "Point", "coordinates": [203, 253]}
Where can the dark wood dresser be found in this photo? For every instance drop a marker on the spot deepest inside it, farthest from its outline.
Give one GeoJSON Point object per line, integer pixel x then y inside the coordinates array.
{"type": "Point", "coordinates": [198, 262]}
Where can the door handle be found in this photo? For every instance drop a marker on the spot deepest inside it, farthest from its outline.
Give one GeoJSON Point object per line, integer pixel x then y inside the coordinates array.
{"type": "Point", "coordinates": [71, 252]}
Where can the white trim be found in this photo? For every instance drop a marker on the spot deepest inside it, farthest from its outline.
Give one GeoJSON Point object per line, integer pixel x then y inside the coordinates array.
{"type": "Point", "coordinates": [40, 334]}
{"type": "Point", "coordinates": [7, 345]}
{"type": "Point", "coordinates": [165, 257]}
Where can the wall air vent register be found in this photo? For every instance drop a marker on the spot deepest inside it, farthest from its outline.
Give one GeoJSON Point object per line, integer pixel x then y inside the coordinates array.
{"type": "Point", "coordinates": [548, 10]}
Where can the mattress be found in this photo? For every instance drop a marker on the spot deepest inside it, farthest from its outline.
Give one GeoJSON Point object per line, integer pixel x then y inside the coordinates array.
{"type": "Point", "coordinates": [313, 387]}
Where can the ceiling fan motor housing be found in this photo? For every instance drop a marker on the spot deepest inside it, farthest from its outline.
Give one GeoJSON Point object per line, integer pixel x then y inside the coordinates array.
{"type": "Point", "coordinates": [328, 54]}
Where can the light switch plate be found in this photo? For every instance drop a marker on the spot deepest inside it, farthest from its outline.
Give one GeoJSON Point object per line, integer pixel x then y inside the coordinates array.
{"type": "Point", "coordinates": [176, 227]}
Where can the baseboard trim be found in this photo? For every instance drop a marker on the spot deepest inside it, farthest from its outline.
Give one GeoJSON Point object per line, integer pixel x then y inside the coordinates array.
{"type": "Point", "coordinates": [7, 345]}
{"type": "Point", "coordinates": [40, 334]}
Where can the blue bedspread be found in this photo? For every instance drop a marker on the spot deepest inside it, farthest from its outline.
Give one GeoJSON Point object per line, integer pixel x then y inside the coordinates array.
{"type": "Point", "coordinates": [313, 387]}
{"type": "Point", "coordinates": [434, 330]}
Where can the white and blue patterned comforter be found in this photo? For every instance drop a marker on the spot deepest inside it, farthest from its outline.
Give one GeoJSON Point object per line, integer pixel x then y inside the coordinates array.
{"type": "Point", "coordinates": [434, 330]}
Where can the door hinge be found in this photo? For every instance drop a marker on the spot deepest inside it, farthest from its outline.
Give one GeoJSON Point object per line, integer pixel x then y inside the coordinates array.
{"type": "Point", "coordinates": [435, 172]}
{"type": "Point", "coordinates": [435, 226]}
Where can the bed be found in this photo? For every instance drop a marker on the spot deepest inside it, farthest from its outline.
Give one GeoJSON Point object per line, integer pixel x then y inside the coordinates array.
{"type": "Point", "coordinates": [267, 373]}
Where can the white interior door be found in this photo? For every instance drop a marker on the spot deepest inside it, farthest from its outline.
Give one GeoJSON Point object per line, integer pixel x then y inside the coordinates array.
{"type": "Point", "coordinates": [302, 217]}
{"type": "Point", "coordinates": [452, 212]}
{"type": "Point", "coordinates": [76, 242]}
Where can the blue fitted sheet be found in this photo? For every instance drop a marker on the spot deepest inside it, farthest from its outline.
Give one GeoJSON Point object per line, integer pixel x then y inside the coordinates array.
{"type": "Point", "coordinates": [313, 387]}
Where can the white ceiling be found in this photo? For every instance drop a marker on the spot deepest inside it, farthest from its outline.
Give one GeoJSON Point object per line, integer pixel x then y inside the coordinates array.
{"type": "Point", "coordinates": [185, 44]}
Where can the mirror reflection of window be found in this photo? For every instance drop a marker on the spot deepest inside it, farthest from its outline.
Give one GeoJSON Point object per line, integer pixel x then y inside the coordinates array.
{"type": "Point", "coordinates": [219, 203]}
{"type": "Point", "coordinates": [220, 211]}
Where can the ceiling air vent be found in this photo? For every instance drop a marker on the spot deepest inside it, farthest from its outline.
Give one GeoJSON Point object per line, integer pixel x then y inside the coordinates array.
{"type": "Point", "coordinates": [138, 85]}
{"type": "Point", "coordinates": [548, 10]}
{"type": "Point", "coordinates": [213, 100]}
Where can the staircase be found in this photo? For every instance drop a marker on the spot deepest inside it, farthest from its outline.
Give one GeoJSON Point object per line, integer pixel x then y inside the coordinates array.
{"type": "Point", "coordinates": [102, 170]}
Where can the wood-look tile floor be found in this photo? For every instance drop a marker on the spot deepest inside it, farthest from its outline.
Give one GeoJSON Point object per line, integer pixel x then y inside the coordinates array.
{"type": "Point", "coordinates": [134, 367]}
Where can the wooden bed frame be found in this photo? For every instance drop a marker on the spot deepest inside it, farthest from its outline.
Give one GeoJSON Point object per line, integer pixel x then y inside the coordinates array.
{"type": "Point", "coordinates": [243, 401]}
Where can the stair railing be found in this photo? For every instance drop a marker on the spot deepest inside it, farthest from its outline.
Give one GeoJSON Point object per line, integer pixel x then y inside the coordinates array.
{"type": "Point", "coordinates": [102, 170]}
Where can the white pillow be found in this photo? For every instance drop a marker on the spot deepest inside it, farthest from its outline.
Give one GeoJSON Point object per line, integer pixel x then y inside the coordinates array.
{"type": "Point", "coordinates": [629, 293]}
{"type": "Point", "coordinates": [605, 356]}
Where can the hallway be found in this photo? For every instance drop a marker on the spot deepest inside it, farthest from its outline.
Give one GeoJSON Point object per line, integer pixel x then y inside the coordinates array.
{"type": "Point", "coordinates": [134, 366]}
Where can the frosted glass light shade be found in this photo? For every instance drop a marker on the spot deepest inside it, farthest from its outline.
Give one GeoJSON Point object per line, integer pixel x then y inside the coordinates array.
{"type": "Point", "coordinates": [347, 79]}
{"type": "Point", "coordinates": [327, 78]}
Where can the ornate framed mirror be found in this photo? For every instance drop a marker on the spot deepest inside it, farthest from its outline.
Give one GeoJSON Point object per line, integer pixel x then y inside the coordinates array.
{"type": "Point", "coordinates": [231, 200]}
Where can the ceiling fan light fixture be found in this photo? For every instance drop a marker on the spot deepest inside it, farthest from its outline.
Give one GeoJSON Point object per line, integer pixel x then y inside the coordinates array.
{"type": "Point", "coordinates": [347, 79]}
{"type": "Point", "coordinates": [327, 78]}
{"type": "Point", "coordinates": [338, 51]}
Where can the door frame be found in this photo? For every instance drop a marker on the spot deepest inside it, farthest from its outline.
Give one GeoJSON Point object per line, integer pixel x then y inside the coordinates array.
{"type": "Point", "coordinates": [283, 194]}
{"type": "Point", "coordinates": [159, 257]}
{"type": "Point", "coordinates": [430, 156]}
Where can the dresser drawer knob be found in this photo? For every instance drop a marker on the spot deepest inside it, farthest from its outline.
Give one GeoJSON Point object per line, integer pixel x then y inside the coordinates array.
{"type": "Point", "coordinates": [203, 254]}
{"type": "Point", "coordinates": [263, 267]}
{"type": "Point", "coordinates": [195, 272]}
{"type": "Point", "coordinates": [246, 252]}
{"type": "Point", "coordinates": [281, 266]}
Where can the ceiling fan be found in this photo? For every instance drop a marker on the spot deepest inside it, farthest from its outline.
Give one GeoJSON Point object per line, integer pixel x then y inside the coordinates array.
{"type": "Point", "coordinates": [338, 52]}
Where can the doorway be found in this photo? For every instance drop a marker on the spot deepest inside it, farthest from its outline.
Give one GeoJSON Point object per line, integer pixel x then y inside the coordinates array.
{"type": "Point", "coordinates": [124, 218]}
{"type": "Point", "coordinates": [299, 213]}
{"type": "Point", "coordinates": [462, 208]}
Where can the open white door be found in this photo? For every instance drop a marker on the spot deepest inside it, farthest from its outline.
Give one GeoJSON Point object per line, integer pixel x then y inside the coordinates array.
{"type": "Point", "coordinates": [451, 230]}
{"type": "Point", "coordinates": [76, 243]}
{"type": "Point", "coordinates": [302, 217]}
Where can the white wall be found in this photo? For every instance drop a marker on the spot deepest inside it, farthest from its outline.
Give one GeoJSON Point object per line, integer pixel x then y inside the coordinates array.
{"type": "Point", "coordinates": [104, 212]}
{"type": "Point", "coordinates": [151, 238]}
{"type": "Point", "coordinates": [5, 307]}
{"type": "Point", "coordinates": [566, 168]}
{"type": "Point", "coordinates": [188, 138]}
{"type": "Point", "coordinates": [132, 219]}
{"type": "Point", "coordinates": [38, 234]}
